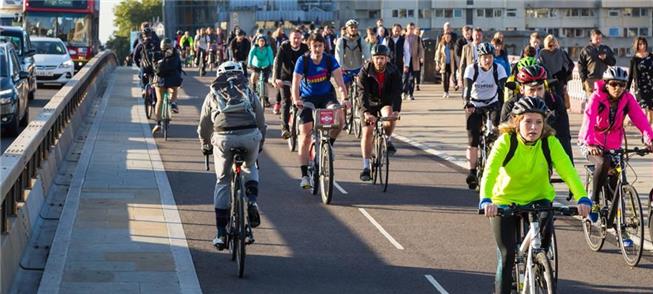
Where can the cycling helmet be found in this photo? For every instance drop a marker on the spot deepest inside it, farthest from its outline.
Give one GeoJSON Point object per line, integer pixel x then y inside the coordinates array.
{"type": "Point", "coordinates": [351, 22]}
{"type": "Point", "coordinates": [615, 73]}
{"type": "Point", "coordinates": [531, 75]}
{"type": "Point", "coordinates": [259, 37]}
{"type": "Point", "coordinates": [530, 104]}
{"type": "Point", "coordinates": [380, 50]}
{"type": "Point", "coordinates": [166, 44]}
{"type": "Point", "coordinates": [230, 66]}
{"type": "Point", "coordinates": [526, 61]}
{"type": "Point", "coordinates": [485, 49]}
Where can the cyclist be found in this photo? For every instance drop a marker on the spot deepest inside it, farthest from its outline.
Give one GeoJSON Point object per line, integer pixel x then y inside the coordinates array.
{"type": "Point", "coordinates": [603, 130]}
{"type": "Point", "coordinates": [239, 49]}
{"type": "Point", "coordinates": [284, 66]}
{"type": "Point", "coordinates": [186, 43]}
{"type": "Point", "coordinates": [232, 117]}
{"type": "Point", "coordinates": [524, 180]}
{"type": "Point", "coordinates": [483, 83]}
{"type": "Point", "coordinates": [533, 82]}
{"type": "Point", "coordinates": [379, 86]}
{"type": "Point", "coordinates": [260, 59]}
{"type": "Point", "coordinates": [168, 78]}
{"type": "Point", "coordinates": [311, 87]}
{"type": "Point", "coordinates": [351, 51]}
{"type": "Point", "coordinates": [145, 30]}
{"type": "Point", "coordinates": [145, 55]}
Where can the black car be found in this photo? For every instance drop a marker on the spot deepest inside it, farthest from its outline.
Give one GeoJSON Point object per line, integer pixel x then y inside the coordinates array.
{"type": "Point", "coordinates": [14, 91]}
{"type": "Point", "coordinates": [20, 39]}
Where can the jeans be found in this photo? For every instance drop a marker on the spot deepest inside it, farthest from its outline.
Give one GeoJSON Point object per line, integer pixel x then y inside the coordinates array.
{"type": "Point", "coordinates": [446, 78]}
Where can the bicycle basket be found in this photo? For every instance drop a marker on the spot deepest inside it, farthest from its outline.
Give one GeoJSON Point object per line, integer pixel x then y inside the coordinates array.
{"type": "Point", "coordinates": [327, 119]}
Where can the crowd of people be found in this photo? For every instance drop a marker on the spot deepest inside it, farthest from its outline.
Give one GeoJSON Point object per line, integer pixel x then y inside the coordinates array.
{"type": "Point", "coordinates": [526, 102]}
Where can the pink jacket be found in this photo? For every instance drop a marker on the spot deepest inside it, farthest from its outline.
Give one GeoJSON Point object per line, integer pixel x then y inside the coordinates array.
{"type": "Point", "coordinates": [596, 129]}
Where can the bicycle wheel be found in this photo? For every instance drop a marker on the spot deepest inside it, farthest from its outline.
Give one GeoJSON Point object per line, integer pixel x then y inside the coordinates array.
{"type": "Point", "coordinates": [146, 102]}
{"type": "Point", "coordinates": [375, 159]}
{"type": "Point", "coordinates": [232, 227]}
{"type": "Point", "coordinates": [326, 173]}
{"type": "Point", "coordinates": [650, 213]}
{"type": "Point", "coordinates": [314, 169]}
{"type": "Point", "coordinates": [552, 254]}
{"type": "Point", "coordinates": [630, 225]}
{"type": "Point", "coordinates": [292, 141]}
{"type": "Point", "coordinates": [595, 232]}
{"type": "Point", "coordinates": [543, 275]}
{"type": "Point", "coordinates": [385, 164]}
{"type": "Point", "coordinates": [242, 233]}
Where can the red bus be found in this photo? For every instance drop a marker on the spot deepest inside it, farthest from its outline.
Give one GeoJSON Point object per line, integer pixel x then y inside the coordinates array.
{"type": "Point", "coordinates": [76, 22]}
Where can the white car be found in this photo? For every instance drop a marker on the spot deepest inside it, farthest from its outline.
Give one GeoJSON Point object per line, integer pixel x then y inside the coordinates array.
{"type": "Point", "coordinates": [53, 62]}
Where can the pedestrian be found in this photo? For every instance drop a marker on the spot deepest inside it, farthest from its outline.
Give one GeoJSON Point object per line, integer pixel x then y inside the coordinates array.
{"type": "Point", "coordinates": [593, 61]}
{"type": "Point", "coordinates": [418, 77]}
{"type": "Point", "coordinates": [413, 53]}
{"type": "Point", "coordinates": [469, 54]}
{"type": "Point", "coordinates": [641, 71]}
{"type": "Point", "coordinates": [556, 63]}
{"type": "Point", "coordinates": [445, 61]}
{"type": "Point", "coordinates": [380, 28]}
{"type": "Point", "coordinates": [535, 41]}
{"type": "Point", "coordinates": [500, 59]}
{"type": "Point", "coordinates": [371, 40]}
{"type": "Point", "coordinates": [396, 44]}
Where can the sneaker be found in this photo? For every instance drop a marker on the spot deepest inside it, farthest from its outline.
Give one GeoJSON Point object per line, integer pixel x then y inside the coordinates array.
{"type": "Point", "coordinates": [446, 94]}
{"type": "Point", "coordinates": [412, 97]}
{"type": "Point", "coordinates": [627, 243]}
{"type": "Point", "coordinates": [156, 129]}
{"type": "Point", "coordinates": [220, 242]}
{"type": "Point", "coordinates": [391, 149]}
{"type": "Point", "coordinates": [472, 182]}
{"type": "Point", "coordinates": [254, 217]}
{"type": "Point", "coordinates": [305, 183]}
{"type": "Point", "coordinates": [594, 213]}
{"type": "Point", "coordinates": [417, 88]}
{"type": "Point", "coordinates": [266, 102]}
{"type": "Point", "coordinates": [455, 87]}
{"type": "Point", "coordinates": [277, 108]}
{"type": "Point", "coordinates": [365, 175]}
{"type": "Point", "coordinates": [174, 107]}
{"type": "Point", "coordinates": [285, 134]}
{"type": "Point", "coordinates": [404, 96]}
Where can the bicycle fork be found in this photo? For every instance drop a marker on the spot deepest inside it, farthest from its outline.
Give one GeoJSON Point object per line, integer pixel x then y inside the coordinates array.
{"type": "Point", "coordinates": [532, 242]}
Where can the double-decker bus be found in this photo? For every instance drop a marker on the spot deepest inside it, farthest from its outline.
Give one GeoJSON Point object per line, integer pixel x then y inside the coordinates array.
{"type": "Point", "coordinates": [76, 22]}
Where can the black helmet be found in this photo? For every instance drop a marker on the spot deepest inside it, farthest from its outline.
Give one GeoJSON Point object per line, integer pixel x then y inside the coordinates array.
{"type": "Point", "coordinates": [380, 50]}
{"type": "Point", "coordinates": [485, 49]}
{"type": "Point", "coordinates": [166, 44]}
{"type": "Point", "coordinates": [530, 104]}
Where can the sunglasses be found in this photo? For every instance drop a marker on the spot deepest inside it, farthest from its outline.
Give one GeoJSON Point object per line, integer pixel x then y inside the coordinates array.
{"type": "Point", "coordinates": [614, 84]}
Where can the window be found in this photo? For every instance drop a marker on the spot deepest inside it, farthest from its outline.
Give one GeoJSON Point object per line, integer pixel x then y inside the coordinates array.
{"type": "Point", "coordinates": [553, 31]}
{"type": "Point", "coordinates": [425, 13]}
{"type": "Point", "coordinates": [511, 12]}
{"type": "Point", "coordinates": [637, 12]}
{"type": "Point", "coordinates": [587, 12]}
{"type": "Point", "coordinates": [644, 12]}
{"type": "Point", "coordinates": [628, 12]}
{"type": "Point", "coordinates": [630, 32]}
{"type": "Point", "coordinates": [643, 32]}
{"type": "Point", "coordinates": [489, 12]}
{"type": "Point", "coordinates": [537, 13]}
{"type": "Point", "coordinates": [613, 12]}
{"type": "Point", "coordinates": [480, 12]}
{"type": "Point", "coordinates": [470, 2]}
{"type": "Point", "coordinates": [498, 12]}
{"type": "Point", "coordinates": [395, 13]}
{"type": "Point", "coordinates": [511, 29]}
{"type": "Point", "coordinates": [402, 13]}
{"type": "Point", "coordinates": [448, 13]}
{"type": "Point", "coordinates": [457, 13]}
{"type": "Point", "coordinates": [374, 14]}
{"type": "Point", "coordinates": [553, 12]}
{"type": "Point", "coordinates": [614, 32]}
{"type": "Point", "coordinates": [411, 13]}
{"type": "Point", "coordinates": [439, 12]}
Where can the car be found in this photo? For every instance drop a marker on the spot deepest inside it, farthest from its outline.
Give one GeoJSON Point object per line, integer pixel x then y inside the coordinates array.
{"type": "Point", "coordinates": [20, 39]}
{"type": "Point", "coordinates": [53, 62]}
{"type": "Point", "coordinates": [14, 91]}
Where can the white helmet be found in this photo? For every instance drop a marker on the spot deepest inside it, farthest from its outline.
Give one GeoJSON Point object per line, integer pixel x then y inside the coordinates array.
{"type": "Point", "coordinates": [351, 22]}
{"type": "Point", "coordinates": [230, 66]}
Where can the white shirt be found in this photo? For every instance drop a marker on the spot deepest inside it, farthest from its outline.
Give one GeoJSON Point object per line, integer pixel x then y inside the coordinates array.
{"type": "Point", "coordinates": [484, 91]}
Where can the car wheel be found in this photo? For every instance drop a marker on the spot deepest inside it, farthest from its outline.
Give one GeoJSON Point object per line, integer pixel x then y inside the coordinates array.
{"type": "Point", "coordinates": [14, 127]}
{"type": "Point", "coordinates": [25, 120]}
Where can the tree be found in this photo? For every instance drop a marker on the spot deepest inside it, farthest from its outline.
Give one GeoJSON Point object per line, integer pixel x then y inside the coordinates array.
{"type": "Point", "coordinates": [129, 16]}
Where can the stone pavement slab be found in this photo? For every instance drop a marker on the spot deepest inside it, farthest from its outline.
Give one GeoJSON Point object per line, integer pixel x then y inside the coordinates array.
{"type": "Point", "coordinates": [120, 217]}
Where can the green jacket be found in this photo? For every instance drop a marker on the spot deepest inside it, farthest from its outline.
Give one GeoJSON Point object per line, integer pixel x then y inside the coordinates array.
{"type": "Point", "coordinates": [526, 176]}
{"type": "Point", "coordinates": [260, 58]}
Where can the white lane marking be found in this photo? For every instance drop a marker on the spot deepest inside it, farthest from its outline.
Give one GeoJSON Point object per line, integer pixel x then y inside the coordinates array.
{"type": "Point", "coordinates": [436, 284]}
{"type": "Point", "coordinates": [381, 229]}
{"type": "Point", "coordinates": [462, 162]}
{"type": "Point", "coordinates": [339, 187]}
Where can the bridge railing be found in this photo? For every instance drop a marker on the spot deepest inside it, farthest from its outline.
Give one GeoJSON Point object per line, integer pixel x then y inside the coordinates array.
{"type": "Point", "coordinates": [22, 160]}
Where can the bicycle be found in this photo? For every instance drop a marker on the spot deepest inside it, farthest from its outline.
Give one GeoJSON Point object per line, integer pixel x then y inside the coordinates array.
{"type": "Point", "coordinates": [201, 53]}
{"type": "Point", "coordinates": [380, 159]}
{"type": "Point", "coordinates": [488, 136]}
{"type": "Point", "coordinates": [352, 118]}
{"type": "Point", "coordinates": [293, 128]}
{"type": "Point", "coordinates": [239, 231]}
{"type": "Point", "coordinates": [650, 213]}
{"type": "Point", "coordinates": [320, 166]}
{"type": "Point", "coordinates": [533, 270]}
{"type": "Point", "coordinates": [624, 215]}
{"type": "Point", "coordinates": [149, 100]}
{"type": "Point", "coordinates": [260, 86]}
{"type": "Point", "coordinates": [166, 113]}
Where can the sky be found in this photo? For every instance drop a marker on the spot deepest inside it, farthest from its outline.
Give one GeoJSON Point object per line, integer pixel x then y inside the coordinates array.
{"type": "Point", "coordinates": [106, 19]}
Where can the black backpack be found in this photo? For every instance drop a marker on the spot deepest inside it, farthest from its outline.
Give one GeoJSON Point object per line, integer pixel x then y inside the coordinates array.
{"type": "Point", "coordinates": [514, 144]}
{"type": "Point", "coordinates": [307, 59]}
{"type": "Point", "coordinates": [495, 73]}
{"type": "Point", "coordinates": [358, 44]}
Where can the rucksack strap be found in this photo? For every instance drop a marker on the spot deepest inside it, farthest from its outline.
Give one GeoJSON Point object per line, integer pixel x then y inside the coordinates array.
{"type": "Point", "coordinates": [511, 149]}
{"type": "Point", "coordinates": [547, 153]}
{"type": "Point", "coordinates": [358, 44]}
{"type": "Point", "coordinates": [329, 63]}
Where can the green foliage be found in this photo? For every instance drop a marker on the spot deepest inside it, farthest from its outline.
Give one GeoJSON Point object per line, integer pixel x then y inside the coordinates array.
{"type": "Point", "coordinates": [129, 16]}
{"type": "Point", "coordinates": [120, 46]}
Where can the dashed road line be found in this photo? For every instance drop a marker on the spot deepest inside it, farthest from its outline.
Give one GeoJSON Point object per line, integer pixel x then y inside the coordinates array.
{"type": "Point", "coordinates": [381, 229]}
{"type": "Point", "coordinates": [435, 284]}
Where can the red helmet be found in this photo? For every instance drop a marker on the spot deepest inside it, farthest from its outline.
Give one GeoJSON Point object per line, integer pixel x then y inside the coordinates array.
{"type": "Point", "coordinates": [531, 75]}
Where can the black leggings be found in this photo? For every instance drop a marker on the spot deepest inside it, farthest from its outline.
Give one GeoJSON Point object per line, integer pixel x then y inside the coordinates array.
{"type": "Point", "coordinates": [506, 232]}
{"type": "Point", "coordinates": [286, 103]}
{"type": "Point", "coordinates": [446, 77]}
{"type": "Point", "coordinates": [601, 168]}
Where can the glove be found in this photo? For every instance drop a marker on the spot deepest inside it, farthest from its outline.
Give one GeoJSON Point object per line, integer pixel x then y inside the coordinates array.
{"type": "Point", "coordinates": [207, 149]}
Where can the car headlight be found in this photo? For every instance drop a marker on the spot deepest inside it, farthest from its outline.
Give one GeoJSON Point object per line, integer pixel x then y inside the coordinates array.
{"type": "Point", "coordinates": [5, 100]}
{"type": "Point", "coordinates": [67, 64]}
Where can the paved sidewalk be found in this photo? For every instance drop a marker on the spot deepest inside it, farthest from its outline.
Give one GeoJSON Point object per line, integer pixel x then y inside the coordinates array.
{"type": "Point", "coordinates": [437, 125]}
{"type": "Point", "coordinates": [120, 230]}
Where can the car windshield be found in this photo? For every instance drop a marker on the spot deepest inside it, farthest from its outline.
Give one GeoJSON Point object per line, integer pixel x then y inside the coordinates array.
{"type": "Point", "coordinates": [13, 38]}
{"type": "Point", "coordinates": [4, 67]}
{"type": "Point", "coordinates": [49, 47]}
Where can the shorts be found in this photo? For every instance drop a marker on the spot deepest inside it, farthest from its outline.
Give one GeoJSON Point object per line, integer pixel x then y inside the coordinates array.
{"type": "Point", "coordinates": [348, 75]}
{"type": "Point", "coordinates": [476, 120]}
{"type": "Point", "coordinates": [375, 110]}
{"type": "Point", "coordinates": [312, 103]}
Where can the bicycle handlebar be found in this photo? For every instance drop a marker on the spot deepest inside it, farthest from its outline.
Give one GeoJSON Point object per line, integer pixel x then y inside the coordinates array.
{"type": "Point", "coordinates": [638, 151]}
{"type": "Point", "coordinates": [514, 210]}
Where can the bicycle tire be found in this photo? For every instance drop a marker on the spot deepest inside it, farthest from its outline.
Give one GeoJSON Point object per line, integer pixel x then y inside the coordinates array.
{"type": "Point", "coordinates": [631, 222]}
{"type": "Point", "coordinates": [292, 141]}
{"type": "Point", "coordinates": [261, 89]}
{"type": "Point", "coordinates": [315, 171]}
{"type": "Point", "coordinates": [543, 274]}
{"type": "Point", "coordinates": [374, 160]}
{"type": "Point", "coordinates": [232, 241]}
{"type": "Point", "coordinates": [553, 255]}
{"type": "Point", "coordinates": [385, 164]}
{"type": "Point", "coordinates": [594, 232]}
{"type": "Point", "coordinates": [242, 234]}
{"type": "Point", "coordinates": [147, 104]}
{"type": "Point", "coordinates": [650, 213]}
{"type": "Point", "coordinates": [326, 173]}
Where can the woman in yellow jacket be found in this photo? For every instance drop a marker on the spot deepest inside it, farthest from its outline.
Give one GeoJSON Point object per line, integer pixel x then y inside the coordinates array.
{"type": "Point", "coordinates": [524, 180]}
